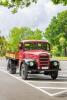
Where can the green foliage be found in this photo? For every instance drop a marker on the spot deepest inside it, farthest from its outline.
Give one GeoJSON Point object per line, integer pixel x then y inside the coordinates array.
{"type": "Point", "coordinates": [34, 35]}
{"type": "Point", "coordinates": [60, 1]}
{"type": "Point", "coordinates": [15, 4]}
{"type": "Point", "coordinates": [23, 3]}
{"type": "Point", "coordinates": [54, 50]}
{"type": "Point", "coordinates": [2, 45]}
{"type": "Point", "coordinates": [56, 32]}
{"type": "Point", "coordinates": [19, 34]}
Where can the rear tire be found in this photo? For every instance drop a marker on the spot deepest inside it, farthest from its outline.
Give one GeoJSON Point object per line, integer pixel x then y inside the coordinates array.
{"type": "Point", "coordinates": [11, 67]}
{"type": "Point", "coordinates": [8, 65]}
{"type": "Point", "coordinates": [24, 71]}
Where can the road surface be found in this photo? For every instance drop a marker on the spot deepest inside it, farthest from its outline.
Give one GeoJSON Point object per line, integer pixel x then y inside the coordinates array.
{"type": "Point", "coordinates": [38, 87]}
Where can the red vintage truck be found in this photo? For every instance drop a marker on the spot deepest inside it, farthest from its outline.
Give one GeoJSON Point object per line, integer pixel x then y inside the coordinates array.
{"type": "Point", "coordinates": [33, 57]}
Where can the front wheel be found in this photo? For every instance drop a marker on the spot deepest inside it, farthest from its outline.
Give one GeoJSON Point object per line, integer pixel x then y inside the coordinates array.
{"type": "Point", "coordinates": [24, 71]}
{"type": "Point", "coordinates": [54, 75]}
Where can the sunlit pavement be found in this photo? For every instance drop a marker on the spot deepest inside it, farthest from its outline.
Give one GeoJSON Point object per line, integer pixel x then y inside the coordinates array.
{"type": "Point", "coordinates": [38, 86]}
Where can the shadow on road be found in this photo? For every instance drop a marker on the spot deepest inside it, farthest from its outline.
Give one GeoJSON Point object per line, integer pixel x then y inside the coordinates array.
{"type": "Point", "coordinates": [62, 95]}
{"type": "Point", "coordinates": [46, 78]}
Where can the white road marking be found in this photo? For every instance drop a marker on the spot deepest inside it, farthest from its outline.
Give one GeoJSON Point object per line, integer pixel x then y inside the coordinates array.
{"type": "Point", "coordinates": [58, 88]}
{"type": "Point", "coordinates": [26, 83]}
{"type": "Point", "coordinates": [40, 88]}
{"type": "Point", "coordinates": [54, 94]}
{"type": "Point", "coordinates": [65, 82]}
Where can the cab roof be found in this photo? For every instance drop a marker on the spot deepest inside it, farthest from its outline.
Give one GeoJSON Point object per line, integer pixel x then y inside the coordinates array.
{"type": "Point", "coordinates": [29, 41]}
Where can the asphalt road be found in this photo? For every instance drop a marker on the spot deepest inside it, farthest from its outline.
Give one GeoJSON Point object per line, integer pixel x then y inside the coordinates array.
{"type": "Point", "coordinates": [38, 87]}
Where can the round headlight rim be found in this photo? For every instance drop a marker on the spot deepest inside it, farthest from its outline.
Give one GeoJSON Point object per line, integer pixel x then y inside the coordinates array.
{"type": "Point", "coordinates": [55, 63]}
{"type": "Point", "coordinates": [31, 63]}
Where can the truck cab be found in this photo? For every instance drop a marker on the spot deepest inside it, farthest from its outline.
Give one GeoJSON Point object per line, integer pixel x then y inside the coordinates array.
{"type": "Point", "coordinates": [34, 58]}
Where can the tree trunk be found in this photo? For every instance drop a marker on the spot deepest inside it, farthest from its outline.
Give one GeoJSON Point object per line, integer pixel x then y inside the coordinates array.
{"type": "Point", "coordinates": [65, 50]}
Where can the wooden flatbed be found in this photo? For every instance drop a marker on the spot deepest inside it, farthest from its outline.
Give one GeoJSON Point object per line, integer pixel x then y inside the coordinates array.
{"type": "Point", "coordinates": [12, 55]}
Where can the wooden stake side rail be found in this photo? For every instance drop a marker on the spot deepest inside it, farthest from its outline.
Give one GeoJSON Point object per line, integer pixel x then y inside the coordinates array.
{"type": "Point", "coordinates": [12, 55]}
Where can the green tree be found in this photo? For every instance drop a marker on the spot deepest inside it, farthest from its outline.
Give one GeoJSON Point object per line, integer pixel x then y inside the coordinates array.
{"type": "Point", "coordinates": [15, 4]}
{"type": "Point", "coordinates": [54, 50]}
{"type": "Point", "coordinates": [58, 29]}
{"type": "Point", "coordinates": [23, 3]}
{"type": "Point", "coordinates": [18, 34]}
{"type": "Point", "coordinates": [2, 45]}
{"type": "Point", "coordinates": [60, 1]}
{"type": "Point", "coordinates": [62, 43]}
{"type": "Point", "coordinates": [36, 35]}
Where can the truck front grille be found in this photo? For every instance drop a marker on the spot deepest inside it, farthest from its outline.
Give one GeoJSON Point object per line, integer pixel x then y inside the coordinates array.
{"type": "Point", "coordinates": [44, 61]}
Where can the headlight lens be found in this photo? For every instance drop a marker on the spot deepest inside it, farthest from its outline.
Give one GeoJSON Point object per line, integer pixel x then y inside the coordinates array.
{"type": "Point", "coordinates": [55, 63]}
{"type": "Point", "coordinates": [31, 63]}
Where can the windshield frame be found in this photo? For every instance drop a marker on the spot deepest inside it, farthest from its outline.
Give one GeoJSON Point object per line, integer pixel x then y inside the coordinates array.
{"type": "Point", "coordinates": [36, 46]}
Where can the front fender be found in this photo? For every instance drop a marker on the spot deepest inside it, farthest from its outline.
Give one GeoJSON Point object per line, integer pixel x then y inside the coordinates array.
{"type": "Point", "coordinates": [54, 64]}
{"type": "Point", "coordinates": [53, 60]}
{"type": "Point", "coordinates": [27, 61]}
{"type": "Point", "coordinates": [30, 65]}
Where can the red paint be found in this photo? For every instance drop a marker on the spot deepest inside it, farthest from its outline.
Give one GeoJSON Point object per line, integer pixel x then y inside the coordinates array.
{"type": "Point", "coordinates": [35, 54]}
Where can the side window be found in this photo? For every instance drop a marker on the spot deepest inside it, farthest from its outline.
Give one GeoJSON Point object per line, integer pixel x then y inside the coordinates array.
{"type": "Point", "coordinates": [20, 46]}
{"type": "Point", "coordinates": [39, 46]}
{"type": "Point", "coordinates": [31, 46]}
{"type": "Point", "coordinates": [44, 46]}
{"type": "Point", "coordinates": [48, 47]}
{"type": "Point", "coordinates": [27, 46]}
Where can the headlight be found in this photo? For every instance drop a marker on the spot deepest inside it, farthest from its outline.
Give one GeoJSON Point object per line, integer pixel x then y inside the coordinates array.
{"type": "Point", "coordinates": [55, 63]}
{"type": "Point", "coordinates": [31, 63]}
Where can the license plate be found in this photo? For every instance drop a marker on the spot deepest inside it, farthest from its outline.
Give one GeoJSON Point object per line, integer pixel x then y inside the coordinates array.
{"type": "Point", "coordinates": [44, 67]}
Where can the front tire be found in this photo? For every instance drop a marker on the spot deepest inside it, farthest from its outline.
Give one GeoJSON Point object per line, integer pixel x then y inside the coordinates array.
{"type": "Point", "coordinates": [54, 75]}
{"type": "Point", "coordinates": [24, 71]}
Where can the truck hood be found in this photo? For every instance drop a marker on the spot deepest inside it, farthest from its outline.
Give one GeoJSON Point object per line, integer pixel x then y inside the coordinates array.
{"type": "Point", "coordinates": [37, 52]}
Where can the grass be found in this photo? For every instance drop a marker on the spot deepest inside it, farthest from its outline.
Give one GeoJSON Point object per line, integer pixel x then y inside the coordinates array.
{"type": "Point", "coordinates": [60, 58]}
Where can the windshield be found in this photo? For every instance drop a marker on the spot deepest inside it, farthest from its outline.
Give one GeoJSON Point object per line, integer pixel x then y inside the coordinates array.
{"type": "Point", "coordinates": [37, 46]}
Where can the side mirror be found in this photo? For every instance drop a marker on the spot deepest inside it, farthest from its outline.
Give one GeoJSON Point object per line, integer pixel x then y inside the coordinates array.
{"type": "Point", "coordinates": [48, 47]}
